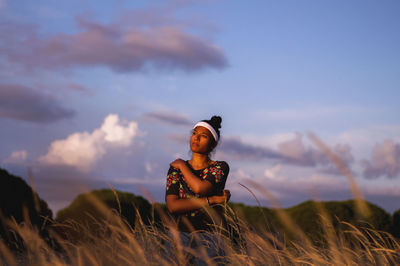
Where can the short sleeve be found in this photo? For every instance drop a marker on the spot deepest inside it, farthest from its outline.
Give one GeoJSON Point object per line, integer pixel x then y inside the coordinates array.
{"type": "Point", "coordinates": [217, 173]}
{"type": "Point", "coordinates": [172, 186]}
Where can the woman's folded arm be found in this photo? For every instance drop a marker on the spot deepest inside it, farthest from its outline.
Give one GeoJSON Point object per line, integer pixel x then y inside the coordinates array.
{"type": "Point", "coordinates": [178, 205]}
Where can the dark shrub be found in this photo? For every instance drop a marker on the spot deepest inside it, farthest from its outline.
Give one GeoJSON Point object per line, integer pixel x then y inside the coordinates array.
{"type": "Point", "coordinates": [395, 229]}
{"type": "Point", "coordinates": [20, 203]}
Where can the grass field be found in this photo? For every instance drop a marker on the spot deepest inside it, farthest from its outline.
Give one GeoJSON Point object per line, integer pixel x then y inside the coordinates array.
{"type": "Point", "coordinates": [115, 242]}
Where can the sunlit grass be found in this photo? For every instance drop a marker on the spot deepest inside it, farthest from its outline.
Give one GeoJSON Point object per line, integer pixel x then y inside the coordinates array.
{"type": "Point", "coordinates": [117, 243]}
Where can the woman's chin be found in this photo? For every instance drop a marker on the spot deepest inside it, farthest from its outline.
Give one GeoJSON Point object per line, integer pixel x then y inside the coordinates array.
{"type": "Point", "coordinates": [199, 151]}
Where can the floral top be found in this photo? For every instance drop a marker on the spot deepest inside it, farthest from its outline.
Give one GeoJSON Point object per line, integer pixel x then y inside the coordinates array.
{"type": "Point", "coordinates": [216, 173]}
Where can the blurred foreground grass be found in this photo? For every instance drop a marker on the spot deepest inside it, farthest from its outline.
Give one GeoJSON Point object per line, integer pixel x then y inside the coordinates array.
{"type": "Point", "coordinates": [116, 242]}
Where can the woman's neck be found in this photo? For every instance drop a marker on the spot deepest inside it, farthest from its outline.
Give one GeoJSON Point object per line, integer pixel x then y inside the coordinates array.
{"type": "Point", "coordinates": [199, 161]}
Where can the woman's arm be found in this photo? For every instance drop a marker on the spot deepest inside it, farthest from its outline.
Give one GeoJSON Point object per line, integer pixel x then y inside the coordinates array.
{"type": "Point", "coordinates": [198, 186]}
{"type": "Point", "coordinates": [177, 205]}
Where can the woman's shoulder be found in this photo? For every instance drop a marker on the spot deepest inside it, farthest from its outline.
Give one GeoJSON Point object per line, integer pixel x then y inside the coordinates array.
{"type": "Point", "coordinates": [222, 164]}
{"type": "Point", "coordinates": [173, 171]}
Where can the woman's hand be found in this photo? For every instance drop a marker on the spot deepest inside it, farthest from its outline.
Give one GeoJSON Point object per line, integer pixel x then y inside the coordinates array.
{"type": "Point", "coordinates": [220, 199]}
{"type": "Point", "coordinates": [177, 163]}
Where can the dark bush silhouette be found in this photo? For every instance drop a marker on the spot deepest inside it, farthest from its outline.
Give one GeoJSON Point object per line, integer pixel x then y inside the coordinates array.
{"type": "Point", "coordinates": [84, 215]}
{"type": "Point", "coordinates": [395, 230]}
{"type": "Point", "coordinates": [20, 203]}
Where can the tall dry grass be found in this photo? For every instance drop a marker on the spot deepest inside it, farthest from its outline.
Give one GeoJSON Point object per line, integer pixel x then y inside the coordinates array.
{"type": "Point", "coordinates": [117, 243]}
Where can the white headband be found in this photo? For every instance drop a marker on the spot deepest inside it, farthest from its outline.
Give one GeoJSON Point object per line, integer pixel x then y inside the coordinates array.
{"type": "Point", "coordinates": [209, 127]}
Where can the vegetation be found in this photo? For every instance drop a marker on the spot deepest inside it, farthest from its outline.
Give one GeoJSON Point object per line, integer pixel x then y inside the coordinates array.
{"type": "Point", "coordinates": [107, 227]}
{"type": "Point", "coordinates": [20, 204]}
{"type": "Point", "coordinates": [306, 216]}
{"type": "Point", "coordinates": [82, 212]}
{"type": "Point", "coordinates": [395, 230]}
{"type": "Point", "coordinates": [120, 244]}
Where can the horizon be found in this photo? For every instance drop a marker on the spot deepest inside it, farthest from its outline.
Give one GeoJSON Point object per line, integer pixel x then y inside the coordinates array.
{"type": "Point", "coordinates": [147, 196]}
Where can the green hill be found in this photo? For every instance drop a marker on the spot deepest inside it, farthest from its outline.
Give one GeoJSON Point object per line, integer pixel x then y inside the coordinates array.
{"type": "Point", "coordinates": [86, 212]}
{"type": "Point", "coordinates": [306, 216]}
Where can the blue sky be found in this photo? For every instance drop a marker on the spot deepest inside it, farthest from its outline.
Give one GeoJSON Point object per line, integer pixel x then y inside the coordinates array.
{"type": "Point", "coordinates": [94, 93]}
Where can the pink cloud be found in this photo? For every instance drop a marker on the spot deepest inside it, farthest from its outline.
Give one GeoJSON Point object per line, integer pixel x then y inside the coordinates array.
{"type": "Point", "coordinates": [291, 152]}
{"type": "Point", "coordinates": [16, 157]}
{"type": "Point", "coordinates": [168, 117]}
{"type": "Point", "coordinates": [79, 88]}
{"type": "Point", "coordinates": [122, 49]}
{"type": "Point", "coordinates": [385, 160]}
{"type": "Point", "coordinates": [28, 104]}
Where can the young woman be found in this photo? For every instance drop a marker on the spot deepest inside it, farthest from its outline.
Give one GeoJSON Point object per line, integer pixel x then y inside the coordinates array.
{"type": "Point", "coordinates": [199, 182]}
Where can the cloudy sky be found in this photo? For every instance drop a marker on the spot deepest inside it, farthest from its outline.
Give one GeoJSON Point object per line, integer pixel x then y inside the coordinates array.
{"type": "Point", "coordinates": [99, 93]}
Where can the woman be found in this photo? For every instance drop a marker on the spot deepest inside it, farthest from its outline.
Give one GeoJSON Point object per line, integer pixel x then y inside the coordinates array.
{"type": "Point", "coordinates": [199, 182]}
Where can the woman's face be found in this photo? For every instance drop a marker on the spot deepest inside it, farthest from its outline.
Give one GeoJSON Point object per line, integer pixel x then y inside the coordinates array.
{"type": "Point", "coordinates": [201, 140]}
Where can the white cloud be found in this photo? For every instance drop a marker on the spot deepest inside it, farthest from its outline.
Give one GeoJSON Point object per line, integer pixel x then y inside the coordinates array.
{"type": "Point", "coordinates": [116, 133]}
{"type": "Point", "coordinates": [149, 167]}
{"type": "Point", "coordinates": [83, 149]}
{"type": "Point", "coordinates": [272, 173]}
{"type": "Point", "coordinates": [16, 157]}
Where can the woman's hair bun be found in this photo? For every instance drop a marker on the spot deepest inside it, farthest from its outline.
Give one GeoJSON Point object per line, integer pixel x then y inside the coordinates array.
{"type": "Point", "coordinates": [216, 121]}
